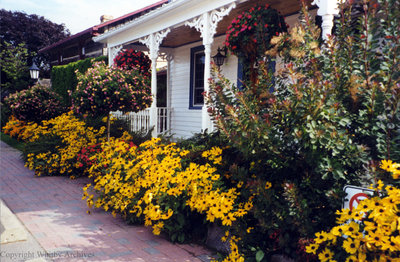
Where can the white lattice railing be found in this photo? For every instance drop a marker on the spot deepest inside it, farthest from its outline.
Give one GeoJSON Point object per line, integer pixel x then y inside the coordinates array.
{"type": "Point", "coordinates": [164, 120]}
{"type": "Point", "coordinates": [140, 121]}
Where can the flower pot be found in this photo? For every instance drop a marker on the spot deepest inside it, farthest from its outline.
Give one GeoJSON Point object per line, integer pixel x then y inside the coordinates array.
{"type": "Point", "coordinates": [214, 235]}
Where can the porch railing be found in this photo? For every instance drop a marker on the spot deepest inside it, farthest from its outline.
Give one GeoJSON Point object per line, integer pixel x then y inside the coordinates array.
{"type": "Point", "coordinates": [164, 120]}
{"type": "Point", "coordinates": [140, 121]}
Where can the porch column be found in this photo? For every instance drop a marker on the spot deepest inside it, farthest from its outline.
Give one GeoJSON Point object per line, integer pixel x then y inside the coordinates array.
{"type": "Point", "coordinates": [327, 9]}
{"type": "Point", "coordinates": [206, 24]}
{"type": "Point", "coordinates": [112, 53]}
{"type": "Point", "coordinates": [153, 42]}
{"type": "Point", "coordinates": [208, 39]}
{"type": "Point", "coordinates": [169, 58]}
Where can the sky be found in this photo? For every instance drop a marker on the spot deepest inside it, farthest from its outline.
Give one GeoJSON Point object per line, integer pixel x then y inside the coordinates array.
{"type": "Point", "coordinates": [76, 15]}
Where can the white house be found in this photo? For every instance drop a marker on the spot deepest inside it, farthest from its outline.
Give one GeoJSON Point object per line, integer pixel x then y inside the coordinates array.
{"type": "Point", "coordinates": [187, 33]}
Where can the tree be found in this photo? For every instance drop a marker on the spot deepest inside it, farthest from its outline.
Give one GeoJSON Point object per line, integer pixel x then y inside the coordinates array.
{"type": "Point", "coordinates": [103, 89]}
{"type": "Point", "coordinates": [35, 31]}
{"type": "Point", "coordinates": [14, 69]}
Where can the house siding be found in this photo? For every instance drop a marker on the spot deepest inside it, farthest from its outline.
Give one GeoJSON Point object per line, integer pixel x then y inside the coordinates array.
{"type": "Point", "coordinates": [184, 121]}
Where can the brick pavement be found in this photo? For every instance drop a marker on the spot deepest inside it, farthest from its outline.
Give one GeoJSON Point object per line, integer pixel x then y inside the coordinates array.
{"type": "Point", "coordinates": [52, 210]}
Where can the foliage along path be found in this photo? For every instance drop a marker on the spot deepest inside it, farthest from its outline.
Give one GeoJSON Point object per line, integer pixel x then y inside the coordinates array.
{"type": "Point", "coordinates": [51, 208]}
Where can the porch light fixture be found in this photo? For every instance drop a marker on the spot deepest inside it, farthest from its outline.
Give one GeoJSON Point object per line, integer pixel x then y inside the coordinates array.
{"type": "Point", "coordinates": [219, 58]}
{"type": "Point", "coordinates": [34, 71]}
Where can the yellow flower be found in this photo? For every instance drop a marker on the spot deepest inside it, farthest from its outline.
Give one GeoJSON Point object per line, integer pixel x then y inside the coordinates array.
{"type": "Point", "coordinates": [337, 231]}
{"type": "Point", "coordinates": [386, 164]}
{"type": "Point", "coordinates": [312, 248]}
{"type": "Point", "coordinates": [157, 228]}
{"type": "Point", "coordinates": [225, 237]}
{"type": "Point", "coordinates": [361, 257]}
{"type": "Point", "coordinates": [325, 255]}
{"type": "Point", "coordinates": [351, 228]}
{"type": "Point", "coordinates": [351, 259]}
{"type": "Point", "coordinates": [392, 244]}
{"type": "Point", "coordinates": [320, 237]}
{"type": "Point", "coordinates": [344, 215]}
{"type": "Point", "coordinates": [392, 167]}
{"type": "Point", "coordinates": [351, 246]}
{"type": "Point", "coordinates": [268, 185]}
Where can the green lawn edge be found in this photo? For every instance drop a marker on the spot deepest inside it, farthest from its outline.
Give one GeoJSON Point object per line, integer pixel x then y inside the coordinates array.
{"type": "Point", "coordinates": [11, 141]}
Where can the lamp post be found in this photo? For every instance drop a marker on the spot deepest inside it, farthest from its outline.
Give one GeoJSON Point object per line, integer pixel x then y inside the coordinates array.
{"type": "Point", "coordinates": [34, 71]}
{"type": "Point", "coordinates": [219, 58]}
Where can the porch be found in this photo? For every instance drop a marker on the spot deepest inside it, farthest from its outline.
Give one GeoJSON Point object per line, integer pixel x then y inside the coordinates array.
{"type": "Point", "coordinates": [140, 121]}
{"type": "Point", "coordinates": [177, 32]}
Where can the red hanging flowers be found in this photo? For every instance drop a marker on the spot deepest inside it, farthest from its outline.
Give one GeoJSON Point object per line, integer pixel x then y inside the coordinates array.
{"type": "Point", "coordinates": [250, 33]}
{"type": "Point", "coordinates": [132, 59]}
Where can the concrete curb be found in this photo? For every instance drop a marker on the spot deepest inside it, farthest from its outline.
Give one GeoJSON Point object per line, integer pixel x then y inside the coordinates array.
{"type": "Point", "coordinates": [17, 244]}
{"type": "Point", "coordinates": [14, 231]}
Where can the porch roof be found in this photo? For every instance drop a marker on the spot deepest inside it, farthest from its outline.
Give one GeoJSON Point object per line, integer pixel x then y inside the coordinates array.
{"type": "Point", "coordinates": [174, 14]}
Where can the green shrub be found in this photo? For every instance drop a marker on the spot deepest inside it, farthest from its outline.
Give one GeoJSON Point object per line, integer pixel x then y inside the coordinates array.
{"type": "Point", "coordinates": [12, 141]}
{"type": "Point", "coordinates": [63, 78]}
{"type": "Point", "coordinates": [333, 115]}
{"type": "Point", "coordinates": [35, 104]}
{"type": "Point", "coordinates": [5, 114]}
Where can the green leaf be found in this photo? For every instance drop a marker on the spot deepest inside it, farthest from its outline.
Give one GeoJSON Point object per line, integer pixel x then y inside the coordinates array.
{"type": "Point", "coordinates": [259, 255]}
{"type": "Point", "coordinates": [181, 238]}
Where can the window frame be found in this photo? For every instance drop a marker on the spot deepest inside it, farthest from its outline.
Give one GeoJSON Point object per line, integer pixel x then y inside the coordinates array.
{"type": "Point", "coordinates": [193, 52]}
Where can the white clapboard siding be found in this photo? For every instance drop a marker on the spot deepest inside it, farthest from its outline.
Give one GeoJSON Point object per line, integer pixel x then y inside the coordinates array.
{"type": "Point", "coordinates": [184, 121]}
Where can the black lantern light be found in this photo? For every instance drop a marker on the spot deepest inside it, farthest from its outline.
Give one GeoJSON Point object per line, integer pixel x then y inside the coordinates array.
{"type": "Point", "coordinates": [34, 71]}
{"type": "Point", "coordinates": [219, 58]}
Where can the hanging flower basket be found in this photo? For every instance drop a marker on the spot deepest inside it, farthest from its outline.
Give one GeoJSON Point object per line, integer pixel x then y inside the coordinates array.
{"type": "Point", "coordinates": [131, 59]}
{"type": "Point", "coordinates": [250, 33]}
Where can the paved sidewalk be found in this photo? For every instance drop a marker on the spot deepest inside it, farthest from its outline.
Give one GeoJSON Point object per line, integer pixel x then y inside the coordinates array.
{"type": "Point", "coordinates": [52, 211]}
{"type": "Point", "coordinates": [17, 244]}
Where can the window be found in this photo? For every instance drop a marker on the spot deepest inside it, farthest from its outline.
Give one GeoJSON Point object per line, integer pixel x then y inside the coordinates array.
{"type": "Point", "coordinates": [197, 61]}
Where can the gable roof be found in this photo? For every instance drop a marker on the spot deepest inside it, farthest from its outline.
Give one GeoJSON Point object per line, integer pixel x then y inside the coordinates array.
{"type": "Point", "coordinates": [101, 28]}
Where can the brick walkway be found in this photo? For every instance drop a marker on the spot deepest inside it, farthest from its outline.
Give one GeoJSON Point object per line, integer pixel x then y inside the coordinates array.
{"type": "Point", "coordinates": [53, 212]}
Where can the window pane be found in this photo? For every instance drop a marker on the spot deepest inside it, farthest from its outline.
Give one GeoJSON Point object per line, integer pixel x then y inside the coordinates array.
{"type": "Point", "coordinates": [198, 82]}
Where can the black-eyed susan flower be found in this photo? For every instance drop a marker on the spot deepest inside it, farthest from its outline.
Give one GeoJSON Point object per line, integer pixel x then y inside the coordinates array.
{"type": "Point", "coordinates": [337, 230]}
{"type": "Point", "coordinates": [351, 245]}
{"type": "Point", "coordinates": [386, 164]}
{"type": "Point", "coordinates": [351, 228]}
{"type": "Point", "coordinates": [312, 248]}
{"type": "Point", "coordinates": [325, 255]}
{"type": "Point", "coordinates": [321, 237]}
